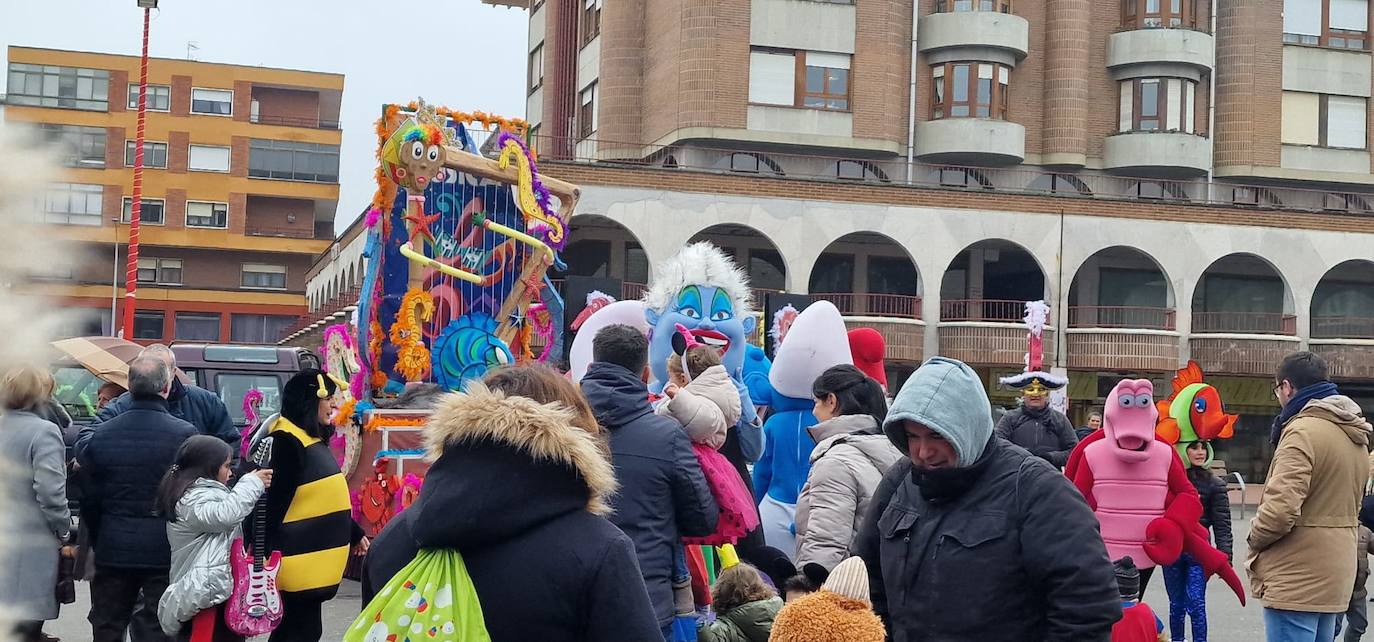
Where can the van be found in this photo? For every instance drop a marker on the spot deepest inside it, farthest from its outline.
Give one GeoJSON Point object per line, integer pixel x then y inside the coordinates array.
{"type": "Point", "coordinates": [228, 370]}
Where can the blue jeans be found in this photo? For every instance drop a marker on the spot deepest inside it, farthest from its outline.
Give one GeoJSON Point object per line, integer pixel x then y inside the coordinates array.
{"type": "Point", "coordinates": [1187, 589]}
{"type": "Point", "coordinates": [1299, 626]}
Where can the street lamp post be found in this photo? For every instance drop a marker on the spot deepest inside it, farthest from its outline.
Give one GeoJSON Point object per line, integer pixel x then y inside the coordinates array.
{"type": "Point", "coordinates": [136, 210]}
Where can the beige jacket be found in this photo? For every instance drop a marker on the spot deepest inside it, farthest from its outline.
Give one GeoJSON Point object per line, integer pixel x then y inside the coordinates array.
{"type": "Point", "coordinates": [1307, 523]}
{"type": "Point", "coordinates": [706, 407]}
{"type": "Point", "coordinates": [846, 466]}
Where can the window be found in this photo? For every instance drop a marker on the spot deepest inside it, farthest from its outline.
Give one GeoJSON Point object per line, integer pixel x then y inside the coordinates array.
{"type": "Point", "coordinates": [970, 90]}
{"type": "Point", "coordinates": [207, 158]}
{"type": "Point", "coordinates": [196, 326]}
{"type": "Point", "coordinates": [1138, 14]}
{"type": "Point", "coordinates": [257, 275]}
{"type": "Point", "coordinates": [73, 204]}
{"type": "Point", "coordinates": [216, 102]}
{"type": "Point", "coordinates": [154, 154]}
{"type": "Point", "coordinates": [749, 163]}
{"type": "Point", "coordinates": [1342, 24]}
{"type": "Point", "coordinates": [207, 214]}
{"type": "Point", "coordinates": [826, 81]}
{"type": "Point", "coordinates": [536, 67]}
{"type": "Point", "coordinates": [232, 388]}
{"type": "Point", "coordinates": [811, 79]}
{"type": "Point", "coordinates": [148, 324]}
{"type": "Point", "coordinates": [591, 20]}
{"type": "Point", "coordinates": [293, 161]}
{"type": "Point", "coordinates": [1323, 121]}
{"type": "Point", "coordinates": [159, 271]}
{"type": "Point", "coordinates": [258, 328]}
{"type": "Point", "coordinates": [51, 86]}
{"type": "Point", "coordinates": [946, 6]}
{"type": "Point", "coordinates": [859, 171]}
{"type": "Point", "coordinates": [159, 97]}
{"type": "Point", "coordinates": [77, 146]}
{"type": "Point", "coordinates": [586, 113]}
{"type": "Point", "coordinates": [1157, 104]}
{"type": "Point", "coordinates": [151, 211]}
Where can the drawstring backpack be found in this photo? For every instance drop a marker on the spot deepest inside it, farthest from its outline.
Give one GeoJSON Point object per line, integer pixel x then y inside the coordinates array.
{"type": "Point", "coordinates": [431, 599]}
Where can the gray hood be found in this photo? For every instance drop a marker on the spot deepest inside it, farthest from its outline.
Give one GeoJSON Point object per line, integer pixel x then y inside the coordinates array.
{"type": "Point", "coordinates": [948, 397]}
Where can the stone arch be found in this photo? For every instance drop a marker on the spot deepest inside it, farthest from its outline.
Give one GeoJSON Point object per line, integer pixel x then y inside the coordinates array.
{"type": "Point", "coordinates": [990, 280]}
{"type": "Point", "coordinates": [1122, 287]}
{"type": "Point", "coordinates": [752, 250]}
{"type": "Point", "coordinates": [1243, 293]}
{"type": "Point", "coordinates": [1343, 302]}
{"type": "Point", "coordinates": [600, 246]}
{"type": "Point", "coordinates": [868, 273]}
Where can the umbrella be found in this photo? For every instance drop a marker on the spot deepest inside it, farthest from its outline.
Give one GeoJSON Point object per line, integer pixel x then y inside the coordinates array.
{"type": "Point", "coordinates": [105, 357]}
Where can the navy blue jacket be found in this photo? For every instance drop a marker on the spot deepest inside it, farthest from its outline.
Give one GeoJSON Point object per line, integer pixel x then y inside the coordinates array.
{"type": "Point", "coordinates": [124, 462]}
{"type": "Point", "coordinates": [663, 494]}
{"type": "Point", "coordinates": [193, 404]}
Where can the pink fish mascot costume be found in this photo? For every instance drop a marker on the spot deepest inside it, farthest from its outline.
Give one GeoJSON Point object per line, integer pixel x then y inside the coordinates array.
{"type": "Point", "coordinates": [1138, 488]}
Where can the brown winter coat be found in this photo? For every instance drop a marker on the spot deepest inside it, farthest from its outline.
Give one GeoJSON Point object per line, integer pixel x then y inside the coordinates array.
{"type": "Point", "coordinates": [847, 465]}
{"type": "Point", "coordinates": [1362, 553]}
{"type": "Point", "coordinates": [1306, 523]}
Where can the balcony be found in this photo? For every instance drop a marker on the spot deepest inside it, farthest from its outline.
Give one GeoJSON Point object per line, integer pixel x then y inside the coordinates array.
{"type": "Point", "coordinates": [974, 35]}
{"type": "Point", "coordinates": [291, 106]}
{"type": "Point", "coordinates": [971, 141]}
{"type": "Point", "coordinates": [294, 121]}
{"type": "Point", "coordinates": [1347, 344]}
{"type": "Point", "coordinates": [319, 233]}
{"type": "Point", "coordinates": [1158, 154]}
{"type": "Point", "coordinates": [1122, 338]}
{"type": "Point", "coordinates": [1242, 343]}
{"type": "Point", "coordinates": [1159, 52]}
{"type": "Point", "coordinates": [988, 333]}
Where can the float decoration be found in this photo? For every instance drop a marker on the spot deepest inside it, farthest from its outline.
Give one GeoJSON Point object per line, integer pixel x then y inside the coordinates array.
{"type": "Point", "coordinates": [1193, 412]}
{"type": "Point", "coordinates": [1035, 381]}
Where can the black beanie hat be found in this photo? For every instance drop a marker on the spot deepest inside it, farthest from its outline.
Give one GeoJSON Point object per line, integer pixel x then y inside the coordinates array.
{"type": "Point", "coordinates": [300, 400]}
{"type": "Point", "coordinates": [1127, 578]}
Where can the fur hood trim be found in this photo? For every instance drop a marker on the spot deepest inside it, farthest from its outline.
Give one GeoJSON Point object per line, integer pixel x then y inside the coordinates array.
{"type": "Point", "coordinates": [542, 431]}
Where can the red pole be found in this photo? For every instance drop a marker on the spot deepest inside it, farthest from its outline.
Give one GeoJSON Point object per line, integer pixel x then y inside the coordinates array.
{"type": "Point", "coordinates": [131, 274]}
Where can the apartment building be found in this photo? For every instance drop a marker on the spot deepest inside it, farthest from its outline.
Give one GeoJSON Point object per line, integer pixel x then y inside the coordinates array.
{"type": "Point", "coordinates": [240, 186]}
{"type": "Point", "coordinates": [929, 166]}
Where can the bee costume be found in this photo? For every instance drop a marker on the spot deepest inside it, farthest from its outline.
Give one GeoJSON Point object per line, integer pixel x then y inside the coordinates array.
{"type": "Point", "coordinates": [309, 513]}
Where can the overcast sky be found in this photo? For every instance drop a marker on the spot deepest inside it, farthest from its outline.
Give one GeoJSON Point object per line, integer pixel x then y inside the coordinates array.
{"type": "Point", "coordinates": [458, 53]}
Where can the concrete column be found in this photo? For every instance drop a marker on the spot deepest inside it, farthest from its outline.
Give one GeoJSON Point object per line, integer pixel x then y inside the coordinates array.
{"type": "Point", "coordinates": [616, 266]}
{"type": "Point", "coordinates": [930, 313]}
{"type": "Point", "coordinates": [974, 284]}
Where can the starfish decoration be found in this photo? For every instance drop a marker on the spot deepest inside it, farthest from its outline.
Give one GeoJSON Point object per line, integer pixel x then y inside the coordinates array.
{"type": "Point", "coordinates": [422, 222]}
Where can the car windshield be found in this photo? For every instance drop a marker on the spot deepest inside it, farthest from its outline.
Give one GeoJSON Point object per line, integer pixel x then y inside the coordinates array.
{"type": "Point", "coordinates": [232, 388]}
{"type": "Point", "coordinates": [77, 391]}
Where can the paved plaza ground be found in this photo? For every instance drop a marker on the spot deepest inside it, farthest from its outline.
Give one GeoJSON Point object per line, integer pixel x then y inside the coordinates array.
{"type": "Point", "coordinates": [1229, 621]}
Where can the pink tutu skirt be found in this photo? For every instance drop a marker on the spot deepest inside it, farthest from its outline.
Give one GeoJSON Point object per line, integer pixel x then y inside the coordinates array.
{"type": "Point", "coordinates": [738, 515]}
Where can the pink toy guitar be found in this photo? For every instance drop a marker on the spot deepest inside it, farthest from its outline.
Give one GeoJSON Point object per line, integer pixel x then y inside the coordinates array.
{"type": "Point", "coordinates": [254, 607]}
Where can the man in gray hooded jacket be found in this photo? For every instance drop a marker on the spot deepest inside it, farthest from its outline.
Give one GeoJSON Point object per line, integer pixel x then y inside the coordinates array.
{"type": "Point", "coordinates": [970, 537]}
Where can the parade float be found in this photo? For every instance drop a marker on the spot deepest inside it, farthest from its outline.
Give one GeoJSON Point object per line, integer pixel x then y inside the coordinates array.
{"type": "Point", "coordinates": [460, 235]}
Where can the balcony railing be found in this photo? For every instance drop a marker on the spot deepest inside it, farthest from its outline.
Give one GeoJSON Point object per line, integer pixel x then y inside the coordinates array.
{"type": "Point", "coordinates": [295, 121]}
{"type": "Point", "coordinates": [1245, 323]}
{"type": "Point", "coordinates": [1121, 317]}
{"type": "Point", "coordinates": [982, 310]}
{"type": "Point", "coordinates": [861, 304]}
{"type": "Point", "coordinates": [1342, 327]}
{"type": "Point", "coordinates": [629, 290]}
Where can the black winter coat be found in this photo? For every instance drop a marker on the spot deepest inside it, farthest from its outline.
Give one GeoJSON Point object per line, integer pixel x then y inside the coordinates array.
{"type": "Point", "coordinates": [1216, 507]}
{"type": "Point", "coordinates": [124, 462]}
{"type": "Point", "coordinates": [1047, 433]}
{"type": "Point", "coordinates": [663, 494]}
{"type": "Point", "coordinates": [1016, 557]}
{"type": "Point", "coordinates": [545, 563]}
{"type": "Point", "coordinates": [193, 404]}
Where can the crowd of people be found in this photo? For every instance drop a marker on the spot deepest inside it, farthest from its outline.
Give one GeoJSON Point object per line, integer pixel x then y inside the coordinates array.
{"type": "Point", "coordinates": [575, 506]}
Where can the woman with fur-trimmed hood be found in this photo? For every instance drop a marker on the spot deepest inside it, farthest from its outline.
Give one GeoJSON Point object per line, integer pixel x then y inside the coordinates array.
{"type": "Point", "coordinates": [519, 486]}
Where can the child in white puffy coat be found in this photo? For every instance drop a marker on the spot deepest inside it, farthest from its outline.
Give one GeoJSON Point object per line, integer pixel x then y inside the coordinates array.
{"type": "Point", "coordinates": [707, 403]}
{"type": "Point", "coordinates": [203, 517]}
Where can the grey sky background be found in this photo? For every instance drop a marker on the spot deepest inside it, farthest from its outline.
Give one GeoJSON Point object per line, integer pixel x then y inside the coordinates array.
{"type": "Point", "coordinates": [457, 53]}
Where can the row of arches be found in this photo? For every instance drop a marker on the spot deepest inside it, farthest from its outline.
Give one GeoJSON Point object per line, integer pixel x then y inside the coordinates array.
{"type": "Point", "coordinates": [1118, 286]}
{"type": "Point", "coordinates": [348, 276]}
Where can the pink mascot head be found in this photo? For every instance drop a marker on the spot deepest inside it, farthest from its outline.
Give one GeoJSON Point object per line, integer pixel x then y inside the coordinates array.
{"type": "Point", "coordinates": [1130, 418]}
